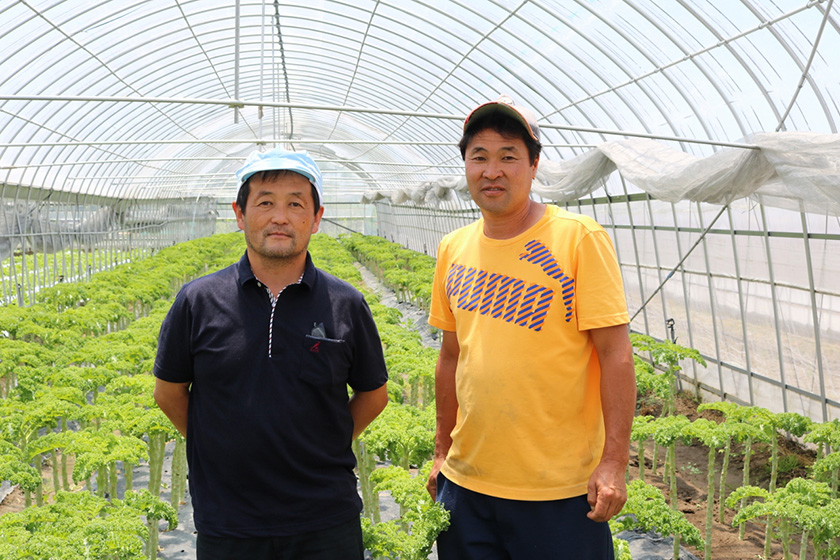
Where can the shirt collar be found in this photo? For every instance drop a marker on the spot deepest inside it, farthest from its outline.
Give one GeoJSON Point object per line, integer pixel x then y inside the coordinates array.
{"type": "Point", "coordinates": [310, 273]}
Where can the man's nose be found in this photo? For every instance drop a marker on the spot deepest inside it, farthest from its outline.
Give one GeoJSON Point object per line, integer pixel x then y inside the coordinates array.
{"type": "Point", "coordinates": [492, 170]}
{"type": "Point", "coordinates": [279, 214]}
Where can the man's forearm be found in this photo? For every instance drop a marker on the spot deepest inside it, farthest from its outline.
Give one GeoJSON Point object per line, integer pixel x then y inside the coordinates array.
{"type": "Point", "coordinates": [446, 399]}
{"type": "Point", "coordinates": [618, 400]}
{"type": "Point", "coordinates": [365, 406]}
{"type": "Point", "coordinates": [174, 401]}
{"type": "Point", "coordinates": [618, 393]}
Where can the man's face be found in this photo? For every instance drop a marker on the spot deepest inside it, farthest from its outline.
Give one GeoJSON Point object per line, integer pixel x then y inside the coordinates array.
{"type": "Point", "coordinates": [279, 217]}
{"type": "Point", "coordinates": [499, 173]}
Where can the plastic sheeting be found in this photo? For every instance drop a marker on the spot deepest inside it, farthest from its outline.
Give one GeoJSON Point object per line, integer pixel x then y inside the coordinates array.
{"type": "Point", "coordinates": [793, 170]}
{"type": "Point", "coordinates": [38, 227]}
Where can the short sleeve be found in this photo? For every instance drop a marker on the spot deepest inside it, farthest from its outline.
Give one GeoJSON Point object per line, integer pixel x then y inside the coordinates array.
{"type": "Point", "coordinates": [368, 371]}
{"type": "Point", "coordinates": [440, 314]}
{"type": "Point", "coordinates": [600, 290]}
{"type": "Point", "coordinates": [174, 361]}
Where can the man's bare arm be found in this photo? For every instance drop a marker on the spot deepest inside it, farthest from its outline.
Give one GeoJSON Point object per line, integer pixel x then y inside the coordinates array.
{"type": "Point", "coordinates": [446, 402]}
{"type": "Point", "coordinates": [365, 406]}
{"type": "Point", "coordinates": [607, 488]}
{"type": "Point", "coordinates": [173, 399]}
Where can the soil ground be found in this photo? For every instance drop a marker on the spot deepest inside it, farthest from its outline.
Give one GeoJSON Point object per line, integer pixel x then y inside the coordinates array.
{"type": "Point", "coordinates": [691, 488]}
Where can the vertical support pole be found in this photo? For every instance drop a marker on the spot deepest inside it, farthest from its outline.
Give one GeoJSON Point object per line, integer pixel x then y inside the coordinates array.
{"type": "Point", "coordinates": [712, 305]}
{"type": "Point", "coordinates": [742, 307]}
{"type": "Point", "coordinates": [636, 251]}
{"type": "Point", "coordinates": [776, 315]}
{"type": "Point", "coordinates": [236, 65]}
{"type": "Point", "coordinates": [815, 316]}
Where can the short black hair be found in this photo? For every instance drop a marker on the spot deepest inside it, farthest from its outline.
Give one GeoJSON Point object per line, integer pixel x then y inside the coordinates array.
{"type": "Point", "coordinates": [270, 175]}
{"type": "Point", "coordinates": [505, 125]}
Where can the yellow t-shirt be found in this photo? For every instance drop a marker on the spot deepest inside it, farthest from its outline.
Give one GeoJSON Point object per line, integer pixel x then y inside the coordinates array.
{"type": "Point", "coordinates": [529, 423]}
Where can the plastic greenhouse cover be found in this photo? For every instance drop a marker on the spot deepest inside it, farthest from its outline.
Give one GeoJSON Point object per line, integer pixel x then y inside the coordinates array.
{"type": "Point", "coordinates": [793, 170]}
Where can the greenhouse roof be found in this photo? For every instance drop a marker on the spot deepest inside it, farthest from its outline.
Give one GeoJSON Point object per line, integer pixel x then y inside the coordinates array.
{"type": "Point", "coordinates": [157, 99]}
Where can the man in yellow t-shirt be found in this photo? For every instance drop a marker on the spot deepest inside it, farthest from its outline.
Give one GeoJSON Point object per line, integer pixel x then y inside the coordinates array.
{"type": "Point", "coordinates": [535, 384]}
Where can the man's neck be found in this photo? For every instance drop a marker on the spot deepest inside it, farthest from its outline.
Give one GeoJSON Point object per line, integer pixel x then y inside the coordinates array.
{"type": "Point", "coordinates": [276, 274]}
{"type": "Point", "coordinates": [510, 226]}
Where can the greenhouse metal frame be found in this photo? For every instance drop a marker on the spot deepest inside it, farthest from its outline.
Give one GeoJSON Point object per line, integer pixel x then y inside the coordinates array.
{"type": "Point", "coordinates": [702, 135]}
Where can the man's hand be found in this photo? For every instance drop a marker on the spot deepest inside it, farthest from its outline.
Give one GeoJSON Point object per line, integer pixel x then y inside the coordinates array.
{"type": "Point", "coordinates": [607, 490]}
{"type": "Point", "coordinates": [431, 484]}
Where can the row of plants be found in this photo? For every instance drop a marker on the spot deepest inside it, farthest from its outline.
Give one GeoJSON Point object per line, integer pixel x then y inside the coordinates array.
{"type": "Point", "coordinates": [406, 272]}
{"type": "Point", "coordinates": [807, 506]}
{"type": "Point", "coordinates": [22, 275]}
{"type": "Point", "coordinates": [77, 398]}
{"type": "Point", "coordinates": [76, 387]}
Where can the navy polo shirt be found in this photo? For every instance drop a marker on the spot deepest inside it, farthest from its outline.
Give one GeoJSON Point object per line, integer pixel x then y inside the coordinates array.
{"type": "Point", "coordinates": [269, 433]}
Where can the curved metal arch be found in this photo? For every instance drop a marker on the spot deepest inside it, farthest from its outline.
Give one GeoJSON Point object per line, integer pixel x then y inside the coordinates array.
{"type": "Point", "coordinates": [744, 65]}
{"type": "Point", "coordinates": [799, 63]}
{"type": "Point", "coordinates": [487, 36]}
{"type": "Point", "coordinates": [92, 55]}
{"type": "Point", "coordinates": [640, 84]}
{"type": "Point", "coordinates": [662, 29]}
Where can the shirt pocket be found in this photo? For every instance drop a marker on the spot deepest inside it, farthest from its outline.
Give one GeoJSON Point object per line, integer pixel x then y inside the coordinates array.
{"type": "Point", "coordinates": [326, 361]}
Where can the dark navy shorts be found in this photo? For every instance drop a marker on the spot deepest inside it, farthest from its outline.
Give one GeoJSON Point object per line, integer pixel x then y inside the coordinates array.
{"type": "Point", "coordinates": [488, 528]}
{"type": "Point", "coordinates": [338, 543]}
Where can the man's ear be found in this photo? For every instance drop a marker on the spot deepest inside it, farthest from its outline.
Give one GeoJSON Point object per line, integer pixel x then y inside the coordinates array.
{"type": "Point", "coordinates": [317, 222]}
{"type": "Point", "coordinates": [240, 216]}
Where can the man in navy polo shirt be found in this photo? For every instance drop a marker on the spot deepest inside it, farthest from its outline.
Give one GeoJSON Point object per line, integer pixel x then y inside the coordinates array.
{"type": "Point", "coordinates": [253, 366]}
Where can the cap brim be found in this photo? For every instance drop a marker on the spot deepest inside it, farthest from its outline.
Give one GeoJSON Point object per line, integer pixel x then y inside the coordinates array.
{"type": "Point", "coordinates": [497, 106]}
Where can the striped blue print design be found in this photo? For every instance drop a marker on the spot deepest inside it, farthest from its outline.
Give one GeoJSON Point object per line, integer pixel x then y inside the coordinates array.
{"type": "Point", "coordinates": [507, 298]}
{"type": "Point", "coordinates": [538, 254]}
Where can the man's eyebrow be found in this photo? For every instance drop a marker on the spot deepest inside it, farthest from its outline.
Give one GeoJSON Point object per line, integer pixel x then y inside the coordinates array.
{"type": "Point", "coordinates": [270, 193]}
{"type": "Point", "coordinates": [475, 149]}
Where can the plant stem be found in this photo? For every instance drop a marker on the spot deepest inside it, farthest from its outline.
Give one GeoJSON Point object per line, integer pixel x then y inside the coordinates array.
{"type": "Point", "coordinates": [655, 458]}
{"type": "Point", "coordinates": [65, 480]}
{"type": "Point", "coordinates": [768, 535]}
{"type": "Point", "coordinates": [154, 537]}
{"type": "Point", "coordinates": [179, 473]}
{"type": "Point", "coordinates": [670, 470]}
{"type": "Point", "coordinates": [101, 480]}
{"type": "Point", "coordinates": [642, 461]}
{"type": "Point", "coordinates": [785, 528]}
{"type": "Point", "coordinates": [113, 476]}
{"type": "Point", "coordinates": [39, 492]}
{"type": "Point", "coordinates": [157, 449]}
{"type": "Point", "coordinates": [366, 464]}
{"type": "Point", "coordinates": [747, 456]}
{"type": "Point", "coordinates": [128, 474]}
{"type": "Point", "coordinates": [710, 502]}
{"type": "Point", "coordinates": [55, 474]}
{"type": "Point", "coordinates": [724, 470]}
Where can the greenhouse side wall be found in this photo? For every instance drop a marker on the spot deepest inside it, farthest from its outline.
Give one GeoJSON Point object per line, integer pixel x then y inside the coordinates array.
{"type": "Point", "coordinates": [756, 293]}
{"type": "Point", "coordinates": [48, 237]}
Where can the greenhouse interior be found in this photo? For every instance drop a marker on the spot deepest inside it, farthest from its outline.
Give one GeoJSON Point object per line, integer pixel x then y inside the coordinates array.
{"type": "Point", "coordinates": [702, 135]}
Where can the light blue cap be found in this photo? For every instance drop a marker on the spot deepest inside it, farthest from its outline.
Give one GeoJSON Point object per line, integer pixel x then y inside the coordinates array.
{"type": "Point", "coordinates": [277, 159]}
